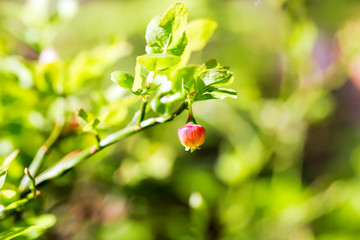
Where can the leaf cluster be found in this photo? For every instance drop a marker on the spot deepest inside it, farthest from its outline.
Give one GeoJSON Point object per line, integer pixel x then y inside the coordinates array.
{"type": "Point", "coordinates": [163, 71]}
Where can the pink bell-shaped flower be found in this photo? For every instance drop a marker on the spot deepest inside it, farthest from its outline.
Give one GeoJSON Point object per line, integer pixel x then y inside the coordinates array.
{"type": "Point", "coordinates": [191, 136]}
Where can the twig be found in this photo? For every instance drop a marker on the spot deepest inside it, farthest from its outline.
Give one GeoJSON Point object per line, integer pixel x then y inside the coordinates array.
{"type": "Point", "coordinates": [32, 182]}
{"type": "Point", "coordinates": [74, 158]}
{"type": "Point", "coordinates": [40, 155]}
{"type": "Point", "coordinates": [144, 102]}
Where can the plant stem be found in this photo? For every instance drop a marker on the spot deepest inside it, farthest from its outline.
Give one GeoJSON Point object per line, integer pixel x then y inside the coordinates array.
{"type": "Point", "coordinates": [74, 158]}
{"type": "Point", "coordinates": [97, 139]}
{"type": "Point", "coordinates": [32, 182]}
{"type": "Point", "coordinates": [191, 118]}
{"type": "Point", "coordinates": [145, 98]}
{"type": "Point", "coordinates": [40, 155]}
{"type": "Point", "coordinates": [142, 111]}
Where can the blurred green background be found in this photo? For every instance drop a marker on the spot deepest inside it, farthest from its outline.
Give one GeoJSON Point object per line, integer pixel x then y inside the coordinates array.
{"type": "Point", "coordinates": [280, 162]}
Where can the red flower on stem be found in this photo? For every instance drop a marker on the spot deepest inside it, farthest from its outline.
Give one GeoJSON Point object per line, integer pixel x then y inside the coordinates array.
{"type": "Point", "coordinates": [191, 136]}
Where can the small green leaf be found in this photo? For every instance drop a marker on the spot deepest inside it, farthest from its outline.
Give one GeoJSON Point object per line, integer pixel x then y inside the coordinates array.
{"type": "Point", "coordinates": [153, 32]}
{"type": "Point", "coordinates": [15, 205]}
{"type": "Point", "coordinates": [8, 196]}
{"type": "Point", "coordinates": [45, 220]}
{"type": "Point", "coordinates": [31, 228]}
{"type": "Point", "coordinates": [137, 86]}
{"type": "Point", "coordinates": [9, 158]}
{"type": "Point", "coordinates": [199, 32]}
{"type": "Point", "coordinates": [179, 47]}
{"type": "Point", "coordinates": [200, 86]}
{"type": "Point", "coordinates": [158, 61]}
{"type": "Point", "coordinates": [212, 63]}
{"type": "Point", "coordinates": [3, 173]}
{"type": "Point", "coordinates": [153, 49]}
{"type": "Point", "coordinates": [204, 96]}
{"type": "Point", "coordinates": [186, 73]}
{"type": "Point", "coordinates": [83, 114]}
{"type": "Point", "coordinates": [172, 98]}
{"type": "Point", "coordinates": [166, 34]}
{"type": "Point", "coordinates": [174, 21]}
{"type": "Point", "coordinates": [5, 165]}
{"type": "Point", "coordinates": [185, 89]}
{"type": "Point", "coordinates": [124, 80]}
{"type": "Point", "coordinates": [157, 82]}
{"type": "Point", "coordinates": [15, 232]}
{"type": "Point", "coordinates": [157, 38]}
{"type": "Point", "coordinates": [158, 106]}
{"type": "Point", "coordinates": [216, 93]}
{"type": "Point", "coordinates": [91, 126]}
{"type": "Point", "coordinates": [222, 93]}
{"type": "Point", "coordinates": [216, 77]}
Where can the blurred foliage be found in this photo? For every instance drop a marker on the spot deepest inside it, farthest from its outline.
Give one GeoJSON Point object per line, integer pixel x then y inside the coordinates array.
{"type": "Point", "coordinates": [282, 161]}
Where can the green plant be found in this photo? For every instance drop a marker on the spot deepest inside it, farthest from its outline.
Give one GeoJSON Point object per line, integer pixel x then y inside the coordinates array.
{"type": "Point", "coordinates": [164, 83]}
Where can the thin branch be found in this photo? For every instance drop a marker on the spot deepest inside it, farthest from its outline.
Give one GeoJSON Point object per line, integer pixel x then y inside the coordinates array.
{"type": "Point", "coordinates": [97, 137]}
{"type": "Point", "coordinates": [40, 155]}
{"type": "Point", "coordinates": [74, 158]}
{"type": "Point", "coordinates": [32, 182]}
{"type": "Point", "coordinates": [144, 102]}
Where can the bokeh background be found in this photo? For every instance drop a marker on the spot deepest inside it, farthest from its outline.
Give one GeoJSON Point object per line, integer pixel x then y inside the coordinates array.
{"type": "Point", "coordinates": [282, 161]}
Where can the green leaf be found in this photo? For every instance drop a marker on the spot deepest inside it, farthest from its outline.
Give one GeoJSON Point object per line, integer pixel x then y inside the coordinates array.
{"type": "Point", "coordinates": [157, 38]}
{"type": "Point", "coordinates": [211, 73]}
{"type": "Point", "coordinates": [186, 73]}
{"type": "Point", "coordinates": [137, 86]}
{"type": "Point", "coordinates": [199, 32]}
{"type": "Point", "coordinates": [179, 47]}
{"type": "Point", "coordinates": [9, 158]}
{"type": "Point", "coordinates": [91, 126]}
{"type": "Point", "coordinates": [158, 106]}
{"type": "Point", "coordinates": [216, 77]}
{"type": "Point", "coordinates": [5, 165]}
{"type": "Point", "coordinates": [20, 231]}
{"type": "Point", "coordinates": [222, 93]}
{"type": "Point", "coordinates": [158, 61]}
{"type": "Point", "coordinates": [153, 32]}
{"type": "Point", "coordinates": [123, 79]}
{"type": "Point", "coordinates": [83, 114]}
{"type": "Point", "coordinates": [3, 173]}
{"type": "Point", "coordinates": [153, 49]}
{"type": "Point", "coordinates": [166, 34]}
{"type": "Point", "coordinates": [216, 93]}
{"type": "Point", "coordinates": [174, 21]}
{"type": "Point", "coordinates": [212, 63]}
{"type": "Point", "coordinates": [32, 228]}
{"type": "Point", "coordinates": [45, 220]}
{"type": "Point", "coordinates": [157, 82]}
{"type": "Point", "coordinates": [172, 98]}
{"type": "Point", "coordinates": [8, 196]}
{"type": "Point", "coordinates": [185, 89]}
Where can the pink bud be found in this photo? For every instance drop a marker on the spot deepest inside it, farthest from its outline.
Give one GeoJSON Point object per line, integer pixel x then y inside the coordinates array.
{"type": "Point", "coordinates": [191, 136]}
